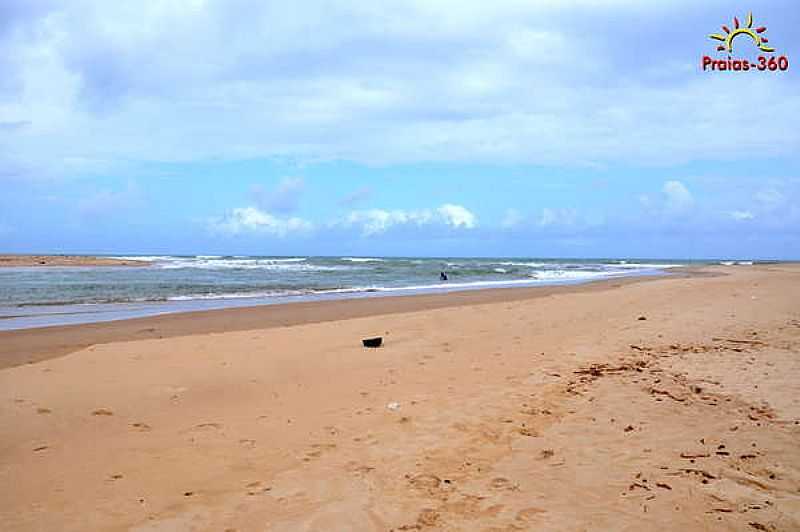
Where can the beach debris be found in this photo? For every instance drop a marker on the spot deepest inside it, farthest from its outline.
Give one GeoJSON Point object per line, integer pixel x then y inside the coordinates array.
{"type": "Point", "coordinates": [377, 341]}
{"type": "Point", "coordinates": [393, 406]}
{"type": "Point", "coordinates": [692, 456]}
{"type": "Point", "coordinates": [738, 341]}
{"type": "Point", "coordinates": [704, 474]}
{"type": "Point", "coordinates": [635, 485]}
{"type": "Point", "coordinates": [674, 397]}
{"type": "Point", "coordinates": [598, 370]}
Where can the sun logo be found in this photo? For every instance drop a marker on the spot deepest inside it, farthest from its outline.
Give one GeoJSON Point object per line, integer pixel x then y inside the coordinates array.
{"type": "Point", "coordinates": [754, 34]}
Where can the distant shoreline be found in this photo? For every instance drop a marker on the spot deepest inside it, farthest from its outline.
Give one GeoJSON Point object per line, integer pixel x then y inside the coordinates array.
{"type": "Point", "coordinates": [18, 261]}
{"type": "Point", "coordinates": [27, 345]}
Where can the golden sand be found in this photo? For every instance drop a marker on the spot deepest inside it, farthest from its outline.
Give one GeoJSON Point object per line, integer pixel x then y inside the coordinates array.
{"type": "Point", "coordinates": [671, 404]}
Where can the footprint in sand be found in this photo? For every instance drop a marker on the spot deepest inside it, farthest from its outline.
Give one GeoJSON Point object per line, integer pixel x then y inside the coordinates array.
{"type": "Point", "coordinates": [500, 483]}
{"type": "Point", "coordinates": [318, 449]}
{"type": "Point", "coordinates": [102, 412]}
{"type": "Point", "coordinates": [428, 518]}
{"type": "Point", "coordinates": [257, 488]}
{"type": "Point", "coordinates": [205, 426]}
{"type": "Point", "coordinates": [529, 514]}
{"type": "Point", "coordinates": [425, 481]}
{"type": "Point", "coordinates": [141, 427]}
{"type": "Point", "coordinates": [43, 411]}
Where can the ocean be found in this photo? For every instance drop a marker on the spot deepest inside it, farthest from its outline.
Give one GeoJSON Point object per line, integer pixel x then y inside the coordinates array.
{"type": "Point", "coordinates": [36, 297]}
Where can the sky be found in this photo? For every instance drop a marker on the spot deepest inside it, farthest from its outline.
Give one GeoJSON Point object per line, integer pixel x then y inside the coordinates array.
{"type": "Point", "coordinates": [582, 128]}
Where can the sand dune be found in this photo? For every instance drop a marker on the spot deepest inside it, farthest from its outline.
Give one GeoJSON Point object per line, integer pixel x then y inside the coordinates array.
{"type": "Point", "coordinates": [671, 404]}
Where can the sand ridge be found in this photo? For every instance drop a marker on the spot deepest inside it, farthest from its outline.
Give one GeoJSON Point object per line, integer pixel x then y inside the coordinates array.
{"type": "Point", "coordinates": [17, 261]}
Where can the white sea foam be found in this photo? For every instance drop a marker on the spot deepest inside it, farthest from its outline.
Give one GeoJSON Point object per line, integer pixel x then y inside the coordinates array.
{"type": "Point", "coordinates": [525, 264]}
{"type": "Point", "coordinates": [362, 259]}
{"type": "Point", "coordinates": [574, 275]}
{"type": "Point", "coordinates": [238, 295]}
{"type": "Point", "coordinates": [297, 264]}
{"type": "Point", "coordinates": [148, 258]}
{"type": "Point", "coordinates": [736, 263]}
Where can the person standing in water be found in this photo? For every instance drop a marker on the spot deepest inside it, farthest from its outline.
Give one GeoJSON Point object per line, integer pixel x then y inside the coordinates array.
{"type": "Point", "coordinates": [442, 276]}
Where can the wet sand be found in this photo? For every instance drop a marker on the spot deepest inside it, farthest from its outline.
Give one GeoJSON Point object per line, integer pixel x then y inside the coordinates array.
{"type": "Point", "coordinates": [16, 261]}
{"type": "Point", "coordinates": [667, 404]}
{"type": "Point", "coordinates": [25, 346]}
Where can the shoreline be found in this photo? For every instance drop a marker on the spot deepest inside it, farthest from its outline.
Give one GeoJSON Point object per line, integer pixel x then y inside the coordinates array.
{"type": "Point", "coordinates": [63, 314]}
{"type": "Point", "coordinates": [30, 345]}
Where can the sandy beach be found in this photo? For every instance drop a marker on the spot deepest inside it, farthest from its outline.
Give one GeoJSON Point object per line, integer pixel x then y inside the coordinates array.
{"type": "Point", "coordinates": [668, 403]}
{"type": "Point", "coordinates": [16, 261]}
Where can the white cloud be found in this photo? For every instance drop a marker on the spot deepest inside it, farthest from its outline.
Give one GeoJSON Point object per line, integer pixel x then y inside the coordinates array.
{"type": "Point", "coordinates": [678, 197]}
{"type": "Point", "coordinates": [457, 216]}
{"type": "Point", "coordinates": [106, 82]}
{"type": "Point", "coordinates": [375, 221]}
{"type": "Point", "coordinates": [741, 215]}
{"type": "Point", "coordinates": [252, 220]}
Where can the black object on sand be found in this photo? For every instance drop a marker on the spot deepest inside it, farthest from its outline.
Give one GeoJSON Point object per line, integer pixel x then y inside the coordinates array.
{"type": "Point", "coordinates": [372, 342]}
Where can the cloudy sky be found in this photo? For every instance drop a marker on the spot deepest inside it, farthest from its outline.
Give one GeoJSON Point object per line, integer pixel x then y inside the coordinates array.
{"type": "Point", "coordinates": [580, 128]}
